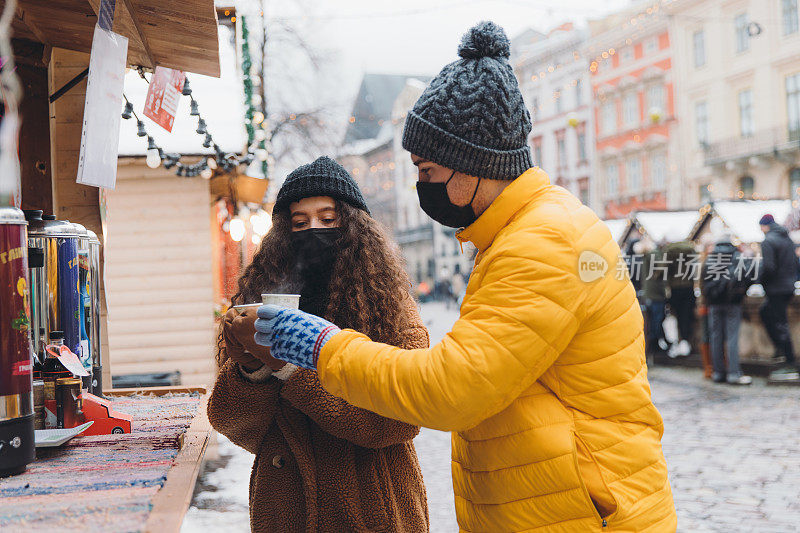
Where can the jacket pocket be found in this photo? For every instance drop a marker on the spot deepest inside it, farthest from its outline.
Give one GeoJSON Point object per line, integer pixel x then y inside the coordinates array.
{"type": "Point", "coordinates": [595, 489]}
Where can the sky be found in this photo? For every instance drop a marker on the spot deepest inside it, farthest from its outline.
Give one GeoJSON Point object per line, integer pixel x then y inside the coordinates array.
{"type": "Point", "coordinates": [415, 37]}
{"type": "Point", "coordinates": [421, 36]}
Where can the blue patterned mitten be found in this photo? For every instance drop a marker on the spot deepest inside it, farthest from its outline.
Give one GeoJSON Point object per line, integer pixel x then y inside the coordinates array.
{"type": "Point", "coordinates": [292, 335]}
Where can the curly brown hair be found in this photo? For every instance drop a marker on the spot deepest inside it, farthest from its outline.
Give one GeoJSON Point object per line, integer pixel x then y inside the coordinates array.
{"type": "Point", "coordinates": [369, 286]}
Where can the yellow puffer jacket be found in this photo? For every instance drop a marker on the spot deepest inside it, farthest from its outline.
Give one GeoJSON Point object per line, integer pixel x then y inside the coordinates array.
{"type": "Point", "coordinates": [542, 380]}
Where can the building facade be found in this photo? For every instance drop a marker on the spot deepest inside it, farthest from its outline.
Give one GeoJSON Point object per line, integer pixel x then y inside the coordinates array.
{"type": "Point", "coordinates": [555, 82]}
{"type": "Point", "coordinates": [739, 73]}
{"type": "Point", "coordinates": [630, 59]}
{"type": "Point", "coordinates": [431, 251]}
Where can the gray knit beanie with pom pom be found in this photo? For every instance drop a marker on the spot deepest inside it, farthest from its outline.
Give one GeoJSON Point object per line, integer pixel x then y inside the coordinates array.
{"type": "Point", "coordinates": [471, 118]}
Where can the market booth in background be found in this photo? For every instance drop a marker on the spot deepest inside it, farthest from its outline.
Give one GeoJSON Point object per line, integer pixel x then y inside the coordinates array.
{"type": "Point", "coordinates": [142, 480]}
{"type": "Point", "coordinates": [740, 218]}
{"type": "Point", "coordinates": [658, 226]}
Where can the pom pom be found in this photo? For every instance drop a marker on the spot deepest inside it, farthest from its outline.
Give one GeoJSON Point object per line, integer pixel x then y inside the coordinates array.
{"type": "Point", "coordinates": [486, 39]}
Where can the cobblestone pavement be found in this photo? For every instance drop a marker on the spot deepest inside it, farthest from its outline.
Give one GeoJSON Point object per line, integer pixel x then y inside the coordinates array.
{"type": "Point", "coordinates": [733, 455]}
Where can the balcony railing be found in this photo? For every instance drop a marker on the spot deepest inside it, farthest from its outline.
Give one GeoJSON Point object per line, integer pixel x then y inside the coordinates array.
{"type": "Point", "coordinates": [417, 234]}
{"type": "Point", "coordinates": [762, 142]}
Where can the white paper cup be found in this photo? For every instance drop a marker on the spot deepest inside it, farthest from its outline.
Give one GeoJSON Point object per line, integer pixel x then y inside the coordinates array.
{"type": "Point", "coordinates": [291, 301]}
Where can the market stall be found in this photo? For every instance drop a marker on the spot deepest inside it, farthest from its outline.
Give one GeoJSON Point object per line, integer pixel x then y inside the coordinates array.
{"type": "Point", "coordinates": [659, 226]}
{"type": "Point", "coordinates": [740, 218]}
{"type": "Point", "coordinates": [140, 463]}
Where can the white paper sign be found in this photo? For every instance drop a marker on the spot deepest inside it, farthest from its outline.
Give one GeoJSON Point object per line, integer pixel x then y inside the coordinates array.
{"type": "Point", "coordinates": [102, 112]}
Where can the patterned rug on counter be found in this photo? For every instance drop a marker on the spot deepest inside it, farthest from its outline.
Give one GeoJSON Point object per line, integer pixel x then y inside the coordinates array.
{"type": "Point", "coordinates": [104, 482]}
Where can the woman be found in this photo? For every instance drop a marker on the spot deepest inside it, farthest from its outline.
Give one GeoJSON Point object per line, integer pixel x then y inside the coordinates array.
{"type": "Point", "coordinates": [321, 465]}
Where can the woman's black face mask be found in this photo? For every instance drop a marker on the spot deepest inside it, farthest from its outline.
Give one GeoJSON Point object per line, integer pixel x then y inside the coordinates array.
{"type": "Point", "coordinates": [316, 250]}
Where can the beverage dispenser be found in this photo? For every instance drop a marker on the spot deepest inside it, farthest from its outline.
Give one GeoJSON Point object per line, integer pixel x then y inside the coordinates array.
{"type": "Point", "coordinates": [17, 445]}
{"type": "Point", "coordinates": [95, 342]}
{"type": "Point", "coordinates": [45, 241]}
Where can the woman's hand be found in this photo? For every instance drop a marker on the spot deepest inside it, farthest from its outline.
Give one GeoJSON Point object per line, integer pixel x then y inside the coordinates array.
{"type": "Point", "coordinates": [233, 348]}
{"type": "Point", "coordinates": [243, 330]}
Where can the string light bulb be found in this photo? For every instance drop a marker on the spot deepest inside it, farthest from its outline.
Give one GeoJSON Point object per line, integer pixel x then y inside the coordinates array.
{"type": "Point", "coordinates": [126, 114]}
{"type": "Point", "coordinates": [194, 110]}
{"type": "Point", "coordinates": [206, 173]}
{"type": "Point", "coordinates": [153, 159]}
{"type": "Point", "coordinates": [201, 127]}
{"type": "Point", "coordinates": [237, 229]}
{"type": "Point", "coordinates": [186, 91]}
{"type": "Point", "coordinates": [141, 131]}
{"type": "Point", "coordinates": [255, 99]}
{"type": "Point", "coordinates": [260, 134]}
{"type": "Point", "coordinates": [212, 163]}
{"type": "Point", "coordinates": [261, 154]}
{"type": "Point", "coordinates": [258, 117]}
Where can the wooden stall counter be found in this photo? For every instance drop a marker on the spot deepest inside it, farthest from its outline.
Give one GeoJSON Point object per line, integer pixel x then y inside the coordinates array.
{"type": "Point", "coordinates": [142, 481]}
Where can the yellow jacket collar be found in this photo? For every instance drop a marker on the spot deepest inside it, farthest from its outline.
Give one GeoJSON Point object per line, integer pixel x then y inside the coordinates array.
{"type": "Point", "coordinates": [518, 193]}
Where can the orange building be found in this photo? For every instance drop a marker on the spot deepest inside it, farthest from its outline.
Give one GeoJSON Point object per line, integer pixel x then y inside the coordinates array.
{"type": "Point", "coordinates": [634, 110]}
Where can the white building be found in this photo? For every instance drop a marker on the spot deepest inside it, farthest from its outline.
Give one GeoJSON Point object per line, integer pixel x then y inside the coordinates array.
{"type": "Point", "coordinates": [738, 66]}
{"type": "Point", "coordinates": [555, 83]}
{"type": "Point", "coordinates": [431, 250]}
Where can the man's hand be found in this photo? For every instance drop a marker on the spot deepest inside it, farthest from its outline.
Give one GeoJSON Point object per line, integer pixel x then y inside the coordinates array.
{"type": "Point", "coordinates": [294, 336]}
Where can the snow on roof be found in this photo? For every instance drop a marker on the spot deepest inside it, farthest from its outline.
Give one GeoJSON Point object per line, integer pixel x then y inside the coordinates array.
{"type": "Point", "coordinates": [617, 227]}
{"type": "Point", "coordinates": [221, 102]}
{"type": "Point", "coordinates": [742, 217]}
{"type": "Point", "coordinates": [672, 226]}
{"type": "Point", "coordinates": [363, 146]}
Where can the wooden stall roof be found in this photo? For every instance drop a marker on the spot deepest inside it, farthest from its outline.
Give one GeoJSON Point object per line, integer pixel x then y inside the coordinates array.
{"type": "Point", "coordinates": [179, 34]}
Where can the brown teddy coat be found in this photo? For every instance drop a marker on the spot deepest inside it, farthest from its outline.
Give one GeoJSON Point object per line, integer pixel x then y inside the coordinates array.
{"type": "Point", "coordinates": [322, 465]}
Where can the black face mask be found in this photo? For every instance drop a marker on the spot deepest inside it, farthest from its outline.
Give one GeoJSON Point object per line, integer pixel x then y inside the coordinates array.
{"type": "Point", "coordinates": [434, 200]}
{"type": "Point", "coordinates": [315, 250]}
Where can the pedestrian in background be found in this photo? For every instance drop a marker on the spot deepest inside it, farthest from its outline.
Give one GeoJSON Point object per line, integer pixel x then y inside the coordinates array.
{"type": "Point", "coordinates": [680, 280]}
{"type": "Point", "coordinates": [654, 293]}
{"type": "Point", "coordinates": [778, 274]}
{"type": "Point", "coordinates": [724, 285]}
{"type": "Point", "coordinates": [542, 379]}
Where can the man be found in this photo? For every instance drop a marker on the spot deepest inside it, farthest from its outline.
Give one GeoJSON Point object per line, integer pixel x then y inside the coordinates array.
{"type": "Point", "coordinates": [682, 302]}
{"type": "Point", "coordinates": [724, 283]}
{"type": "Point", "coordinates": [654, 292]}
{"type": "Point", "coordinates": [542, 380]}
{"type": "Point", "coordinates": [778, 274]}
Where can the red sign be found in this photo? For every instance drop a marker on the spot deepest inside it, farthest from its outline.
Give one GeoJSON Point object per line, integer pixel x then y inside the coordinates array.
{"type": "Point", "coordinates": [163, 94]}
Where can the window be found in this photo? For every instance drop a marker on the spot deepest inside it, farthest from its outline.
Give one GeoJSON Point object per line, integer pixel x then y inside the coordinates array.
{"type": "Point", "coordinates": [742, 33]}
{"type": "Point", "coordinates": [793, 105]}
{"type": "Point", "coordinates": [535, 108]}
{"type": "Point", "coordinates": [578, 93]}
{"type": "Point", "coordinates": [633, 173]}
{"type": "Point", "coordinates": [705, 193]}
{"type": "Point", "coordinates": [701, 122]}
{"type": "Point", "coordinates": [746, 186]}
{"type": "Point", "coordinates": [651, 45]}
{"type": "Point", "coordinates": [582, 146]}
{"type": "Point", "coordinates": [699, 39]}
{"type": "Point", "coordinates": [658, 171]}
{"type": "Point", "coordinates": [609, 118]}
{"type": "Point", "coordinates": [794, 184]}
{"type": "Point", "coordinates": [626, 54]}
{"type": "Point", "coordinates": [746, 126]}
{"type": "Point", "coordinates": [562, 151]}
{"type": "Point", "coordinates": [655, 97]}
{"type": "Point", "coordinates": [630, 109]}
{"type": "Point", "coordinates": [583, 190]}
{"type": "Point", "coordinates": [789, 8]}
{"type": "Point", "coordinates": [612, 179]}
{"type": "Point", "coordinates": [537, 152]}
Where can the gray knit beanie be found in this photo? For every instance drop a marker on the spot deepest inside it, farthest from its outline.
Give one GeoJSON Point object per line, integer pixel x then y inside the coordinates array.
{"type": "Point", "coordinates": [471, 118]}
{"type": "Point", "coordinates": [323, 177]}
